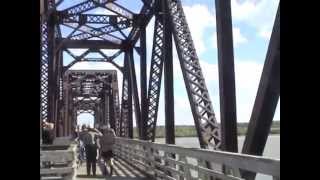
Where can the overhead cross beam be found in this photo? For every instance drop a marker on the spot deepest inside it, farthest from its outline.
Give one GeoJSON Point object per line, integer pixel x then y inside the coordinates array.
{"type": "Point", "coordinates": [82, 58]}
{"type": "Point", "coordinates": [94, 32]}
{"type": "Point", "coordinates": [94, 19]}
{"type": "Point", "coordinates": [116, 8]}
{"type": "Point", "coordinates": [90, 44]}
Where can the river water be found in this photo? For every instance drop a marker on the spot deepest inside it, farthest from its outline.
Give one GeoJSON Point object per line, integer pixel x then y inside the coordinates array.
{"type": "Point", "coordinates": [272, 148]}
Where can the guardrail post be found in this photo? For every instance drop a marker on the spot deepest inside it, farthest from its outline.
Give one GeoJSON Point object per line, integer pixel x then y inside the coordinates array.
{"type": "Point", "coordinates": [185, 168]}
{"type": "Point", "coordinates": [152, 159]}
{"type": "Point", "coordinates": [167, 163]}
{"type": "Point", "coordinates": [201, 175]}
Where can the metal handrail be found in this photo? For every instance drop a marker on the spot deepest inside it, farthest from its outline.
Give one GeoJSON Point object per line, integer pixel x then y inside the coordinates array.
{"type": "Point", "coordinates": [175, 162]}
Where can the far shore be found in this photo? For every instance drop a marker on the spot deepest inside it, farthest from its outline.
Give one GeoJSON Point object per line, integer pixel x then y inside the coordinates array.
{"type": "Point", "coordinates": [241, 135]}
{"type": "Point", "coordinates": [190, 131]}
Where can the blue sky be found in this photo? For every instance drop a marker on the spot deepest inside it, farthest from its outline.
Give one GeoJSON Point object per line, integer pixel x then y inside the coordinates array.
{"type": "Point", "coordinates": [252, 26]}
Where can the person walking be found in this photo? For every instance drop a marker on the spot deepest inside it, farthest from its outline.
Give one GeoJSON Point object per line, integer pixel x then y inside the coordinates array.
{"type": "Point", "coordinates": [106, 143]}
{"type": "Point", "coordinates": [88, 138]}
{"type": "Point", "coordinates": [47, 133]}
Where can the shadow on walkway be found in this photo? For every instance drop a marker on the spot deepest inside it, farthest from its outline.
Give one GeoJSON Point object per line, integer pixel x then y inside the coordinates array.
{"type": "Point", "coordinates": [122, 171]}
{"type": "Point", "coordinates": [85, 177]}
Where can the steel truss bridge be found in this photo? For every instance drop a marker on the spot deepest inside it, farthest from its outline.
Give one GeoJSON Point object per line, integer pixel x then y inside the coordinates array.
{"type": "Point", "coordinates": [66, 93]}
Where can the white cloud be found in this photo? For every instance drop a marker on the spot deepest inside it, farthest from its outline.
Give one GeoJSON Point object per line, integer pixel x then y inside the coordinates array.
{"type": "Point", "coordinates": [266, 34]}
{"type": "Point", "coordinates": [199, 19]}
{"type": "Point", "coordinates": [238, 38]}
{"type": "Point", "coordinates": [258, 14]}
{"type": "Point", "coordinates": [214, 40]}
{"type": "Point", "coordinates": [247, 74]}
{"type": "Point", "coordinates": [210, 71]}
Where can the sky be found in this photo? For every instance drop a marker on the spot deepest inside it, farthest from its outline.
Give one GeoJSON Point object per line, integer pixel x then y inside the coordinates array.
{"type": "Point", "coordinates": [252, 25]}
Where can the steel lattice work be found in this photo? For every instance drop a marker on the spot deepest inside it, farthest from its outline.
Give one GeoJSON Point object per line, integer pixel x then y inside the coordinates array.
{"type": "Point", "coordinates": [44, 72]}
{"type": "Point", "coordinates": [125, 109]}
{"type": "Point", "coordinates": [64, 94]}
{"type": "Point", "coordinates": [201, 105]}
{"type": "Point", "coordinates": [88, 91]}
{"type": "Point", "coordinates": [157, 59]}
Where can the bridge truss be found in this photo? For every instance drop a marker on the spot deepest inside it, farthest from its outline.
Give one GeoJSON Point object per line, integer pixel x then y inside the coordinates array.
{"type": "Point", "coordinates": [62, 89]}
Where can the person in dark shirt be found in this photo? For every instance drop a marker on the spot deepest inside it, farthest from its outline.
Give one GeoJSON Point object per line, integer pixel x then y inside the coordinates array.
{"type": "Point", "coordinates": [106, 143]}
{"type": "Point", "coordinates": [89, 139]}
{"type": "Point", "coordinates": [47, 133]}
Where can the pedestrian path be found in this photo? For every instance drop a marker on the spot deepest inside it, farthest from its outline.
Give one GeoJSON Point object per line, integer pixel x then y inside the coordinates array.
{"type": "Point", "coordinates": [122, 171]}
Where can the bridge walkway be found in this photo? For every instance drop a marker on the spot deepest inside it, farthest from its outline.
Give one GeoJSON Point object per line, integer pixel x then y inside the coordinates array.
{"type": "Point", "coordinates": [122, 171]}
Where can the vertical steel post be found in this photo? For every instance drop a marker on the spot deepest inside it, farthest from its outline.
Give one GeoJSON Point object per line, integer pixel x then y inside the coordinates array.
{"type": "Point", "coordinates": [51, 67]}
{"type": "Point", "coordinates": [66, 103]}
{"type": "Point", "coordinates": [143, 84]}
{"type": "Point", "coordinates": [112, 108]}
{"type": "Point", "coordinates": [128, 75]}
{"type": "Point", "coordinates": [227, 90]}
{"type": "Point", "coordinates": [168, 77]}
{"type": "Point", "coordinates": [134, 87]}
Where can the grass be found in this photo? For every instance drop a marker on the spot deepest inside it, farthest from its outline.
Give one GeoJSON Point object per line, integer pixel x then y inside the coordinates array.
{"type": "Point", "coordinates": [190, 131]}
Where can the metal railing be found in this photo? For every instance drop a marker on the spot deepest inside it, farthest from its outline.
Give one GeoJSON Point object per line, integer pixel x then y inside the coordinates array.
{"type": "Point", "coordinates": [58, 160]}
{"type": "Point", "coordinates": [163, 161]}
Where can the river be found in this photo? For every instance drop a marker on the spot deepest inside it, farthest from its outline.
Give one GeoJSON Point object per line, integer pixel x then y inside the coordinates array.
{"type": "Point", "coordinates": [272, 148]}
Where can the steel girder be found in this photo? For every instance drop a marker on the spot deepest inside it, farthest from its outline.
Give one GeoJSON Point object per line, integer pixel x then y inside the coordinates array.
{"type": "Point", "coordinates": [73, 18]}
{"type": "Point", "coordinates": [116, 105]}
{"type": "Point", "coordinates": [134, 87]}
{"type": "Point", "coordinates": [94, 19]}
{"type": "Point", "coordinates": [155, 76]}
{"type": "Point", "coordinates": [116, 8]}
{"type": "Point", "coordinates": [102, 32]}
{"type": "Point", "coordinates": [112, 24]}
{"type": "Point", "coordinates": [53, 59]}
{"type": "Point", "coordinates": [125, 103]}
{"type": "Point", "coordinates": [46, 46]}
{"type": "Point", "coordinates": [91, 4]}
{"type": "Point", "coordinates": [143, 83]}
{"type": "Point", "coordinates": [88, 91]}
{"type": "Point", "coordinates": [227, 91]}
{"type": "Point", "coordinates": [85, 111]}
{"type": "Point", "coordinates": [168, 78]}
{"type": "Point", "coordinates": [266, 100]}
{"type": "Point", "coordinates": [201, 106]}
{"type": "Point", "coordinates": [94, 32]}
{"type": "Point", "coordinates": [148, 11]}
{"type": "Point", "coordinates": [80, 8]}
{"type": "Point", "coordinates": [82, 58]}
{"type": "Point", "coordinates": [50, 66]}
{"type": "Point", "coordinates": [44, 72]}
